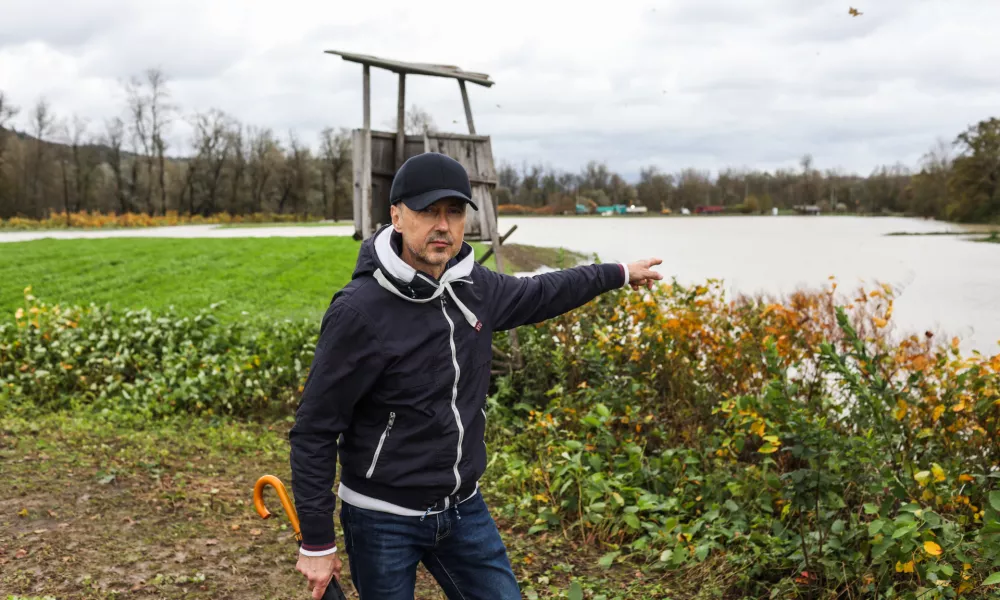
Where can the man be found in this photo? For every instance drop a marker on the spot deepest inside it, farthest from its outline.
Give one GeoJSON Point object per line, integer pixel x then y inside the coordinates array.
{"type": "Point", "coordinates": [400, 376]}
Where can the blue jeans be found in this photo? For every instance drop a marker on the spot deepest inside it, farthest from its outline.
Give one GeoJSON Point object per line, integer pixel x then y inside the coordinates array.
{"type": "Point", "coordinates": [461, 547]}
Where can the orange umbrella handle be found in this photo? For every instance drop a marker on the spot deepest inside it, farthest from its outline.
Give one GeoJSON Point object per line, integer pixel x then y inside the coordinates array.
{"type": "Point", "coordinates": [286, 502]}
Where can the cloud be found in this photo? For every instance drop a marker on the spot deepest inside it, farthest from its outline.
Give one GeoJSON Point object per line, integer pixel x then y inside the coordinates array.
{"type": "Point", "coordinates": [702, 83]}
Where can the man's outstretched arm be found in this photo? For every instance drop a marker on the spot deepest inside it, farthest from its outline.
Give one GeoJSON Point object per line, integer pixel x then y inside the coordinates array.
{"type": "Point", "coordinates": [526, 300]}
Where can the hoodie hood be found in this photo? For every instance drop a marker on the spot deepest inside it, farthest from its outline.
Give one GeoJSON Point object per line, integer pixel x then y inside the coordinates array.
{"type": "Point", "coordinates": [379, 257]}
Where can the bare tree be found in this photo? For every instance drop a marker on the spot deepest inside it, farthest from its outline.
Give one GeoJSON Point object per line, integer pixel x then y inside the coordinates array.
{"type": "Point", "coordinates": [84, 162]}
{"type": "Point", "coordinates": [7, 113]}
{"type": "Point", "coordinates": [206, 169]}
{"type": "Point", "coordinates": [296, 177]}
{"type": "Point", "coordinates": [238, 161]}
{"type": "Point", "coordinates": [335, 149]}
{"type": "Point", "coordinates": [417, 121]}
{"type": "Point", "coordinates": [265, 157]}
{"type": "Point", "coordinates": [138, 108]}
{"type": "Point", "coordinates": [114, 136]}
{"type": "Point", "coordinates": [160, 111]}
{"type": "Point", "coordinates": [41, 126]}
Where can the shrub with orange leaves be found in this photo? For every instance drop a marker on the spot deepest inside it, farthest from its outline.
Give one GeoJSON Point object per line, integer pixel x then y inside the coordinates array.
{"type": "Point", "coordinates": [95, 220]}
{"type": "Point", "coordinates": [789, 435]}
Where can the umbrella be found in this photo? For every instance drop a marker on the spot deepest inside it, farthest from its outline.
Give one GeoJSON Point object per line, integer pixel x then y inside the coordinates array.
{"type": "Point", "coordinates": [333, 591]}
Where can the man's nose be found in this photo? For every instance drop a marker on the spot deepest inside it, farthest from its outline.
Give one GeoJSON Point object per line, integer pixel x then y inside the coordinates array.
{"type": "Point", "coordinates": [441, 224]}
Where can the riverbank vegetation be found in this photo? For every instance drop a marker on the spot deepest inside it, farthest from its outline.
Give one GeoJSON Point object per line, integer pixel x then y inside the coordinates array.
{"type": "Point", "coordinates": [68, 165]}
{"type": "Point", "coordinates": [671, 444]}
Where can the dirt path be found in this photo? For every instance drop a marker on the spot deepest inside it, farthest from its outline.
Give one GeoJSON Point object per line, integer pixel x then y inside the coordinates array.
{"type": "Point", "coordinates": [98, 512]}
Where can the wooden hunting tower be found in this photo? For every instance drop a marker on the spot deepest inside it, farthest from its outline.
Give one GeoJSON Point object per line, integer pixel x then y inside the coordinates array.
{"type": "Point", "coordinates": [378, 154]}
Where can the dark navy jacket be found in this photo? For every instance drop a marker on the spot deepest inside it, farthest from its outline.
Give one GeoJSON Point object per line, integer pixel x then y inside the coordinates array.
{"type": "Point", "coordinates": [401, 372]}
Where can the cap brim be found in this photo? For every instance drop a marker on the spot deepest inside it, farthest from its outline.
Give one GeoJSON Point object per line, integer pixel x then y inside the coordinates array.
{"type": "Point", "coordinates": [422, 201]}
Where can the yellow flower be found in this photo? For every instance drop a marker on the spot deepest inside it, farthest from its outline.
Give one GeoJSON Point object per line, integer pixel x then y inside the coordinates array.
{"type": "Point", "coordinates": [932, 548]}
{"type": "Point", "coordinates": [900, 410]}
{"type": "Point", "coordinates": [19, 314]}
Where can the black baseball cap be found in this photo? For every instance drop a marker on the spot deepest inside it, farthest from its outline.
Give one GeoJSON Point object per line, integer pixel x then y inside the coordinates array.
{"type": "Point", "coordinates": [426, 178]}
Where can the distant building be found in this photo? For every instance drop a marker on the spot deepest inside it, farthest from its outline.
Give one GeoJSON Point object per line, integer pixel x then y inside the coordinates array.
{"type": "Point", "coordinates": [709, 210]}
{"type": "Point", "coordinates": [614, 209]}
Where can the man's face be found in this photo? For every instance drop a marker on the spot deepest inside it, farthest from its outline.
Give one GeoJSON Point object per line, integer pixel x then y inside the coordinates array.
{"type": "Point", "coordinates": [432, 236]}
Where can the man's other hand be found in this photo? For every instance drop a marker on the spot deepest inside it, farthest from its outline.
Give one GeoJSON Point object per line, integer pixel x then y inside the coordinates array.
{"type": "Point", "coordinates": [319, 570]}
{"type": "Point", "coordinates": [641, 274]}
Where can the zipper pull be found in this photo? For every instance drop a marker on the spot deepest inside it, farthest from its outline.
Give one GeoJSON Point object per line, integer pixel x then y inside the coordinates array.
{"type": "Point", "coordinates": [392, 419]}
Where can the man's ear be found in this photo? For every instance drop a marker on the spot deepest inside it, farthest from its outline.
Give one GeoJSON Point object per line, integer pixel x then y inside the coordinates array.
{"type": "Point", "coordinates": [397, 214]}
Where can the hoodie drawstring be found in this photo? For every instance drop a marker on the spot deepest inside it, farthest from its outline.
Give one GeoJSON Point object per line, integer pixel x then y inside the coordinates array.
{"type": "Point", "coordinates": [443, 286]}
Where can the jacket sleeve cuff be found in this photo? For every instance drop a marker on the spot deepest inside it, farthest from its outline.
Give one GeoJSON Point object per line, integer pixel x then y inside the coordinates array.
{"type": "Point", "coordinates": [305, 552]}
{"type": "Point", "coordinates": [317, 532]}
{"type": "Point", "coordinates": [624, 273]}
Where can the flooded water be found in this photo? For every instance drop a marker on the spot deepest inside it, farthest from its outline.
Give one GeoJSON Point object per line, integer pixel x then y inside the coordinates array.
{"type": "Point", "coordinates": [946, 284]}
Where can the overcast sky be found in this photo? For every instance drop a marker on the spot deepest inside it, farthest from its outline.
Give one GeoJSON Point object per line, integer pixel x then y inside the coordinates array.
{"type": "Point", "coordinates": [675, 83]}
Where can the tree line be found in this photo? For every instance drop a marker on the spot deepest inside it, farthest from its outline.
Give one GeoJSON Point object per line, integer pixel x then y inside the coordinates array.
{"type": "Point", "coordinates": [69, 164]}
{"type": "Point", "coordinates": [959, 181]}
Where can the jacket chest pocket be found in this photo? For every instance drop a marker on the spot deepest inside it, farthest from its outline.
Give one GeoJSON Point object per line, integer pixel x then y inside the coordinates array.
{"type": "Point", "coordinates": [381, 444]}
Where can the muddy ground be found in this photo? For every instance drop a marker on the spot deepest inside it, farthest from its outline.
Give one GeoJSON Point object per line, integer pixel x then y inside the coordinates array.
{"type": "Point", "coordinates": [100, 511]}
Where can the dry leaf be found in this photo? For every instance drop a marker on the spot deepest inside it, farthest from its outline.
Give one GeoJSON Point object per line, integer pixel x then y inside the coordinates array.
{"type": "Point", "coordinates": [23, 512]}
{"type": "Point", "coordinates": [52, 514]}
{"type": "Point", "coordinates": [21, 553]}
{"type": "Point", "coordinates": [211, 542]}
{"type": "Point", "coordinates": [255, 532]}
{"type": "Point", "coordinates": [235, 527]}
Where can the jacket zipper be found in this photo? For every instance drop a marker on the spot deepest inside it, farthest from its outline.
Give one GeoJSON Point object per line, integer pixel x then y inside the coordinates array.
{"type": "Point", "coordinates": [454, 395]}
{"type": "Point", "coordinates": [378, 450]}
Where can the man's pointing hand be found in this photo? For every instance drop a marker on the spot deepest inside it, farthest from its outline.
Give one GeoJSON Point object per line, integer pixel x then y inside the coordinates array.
{"type": "Point", "coordinates": [640, 273]}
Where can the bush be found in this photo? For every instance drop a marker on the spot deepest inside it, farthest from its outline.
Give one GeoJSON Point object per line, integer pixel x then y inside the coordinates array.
{"type": "Point", "coordinates": [150, 365]}
{"type": "Point", "coordinates": [796, 441]}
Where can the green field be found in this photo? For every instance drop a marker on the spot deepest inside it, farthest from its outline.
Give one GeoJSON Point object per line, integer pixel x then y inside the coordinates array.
{"type": "Point", "coordinates": [273, 277]}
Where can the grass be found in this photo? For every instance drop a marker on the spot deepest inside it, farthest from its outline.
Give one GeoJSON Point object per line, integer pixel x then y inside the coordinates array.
{"type": "Point", "coordinates": [278, 277]}
{"type": "Point", "coordinates": [96, 510]}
